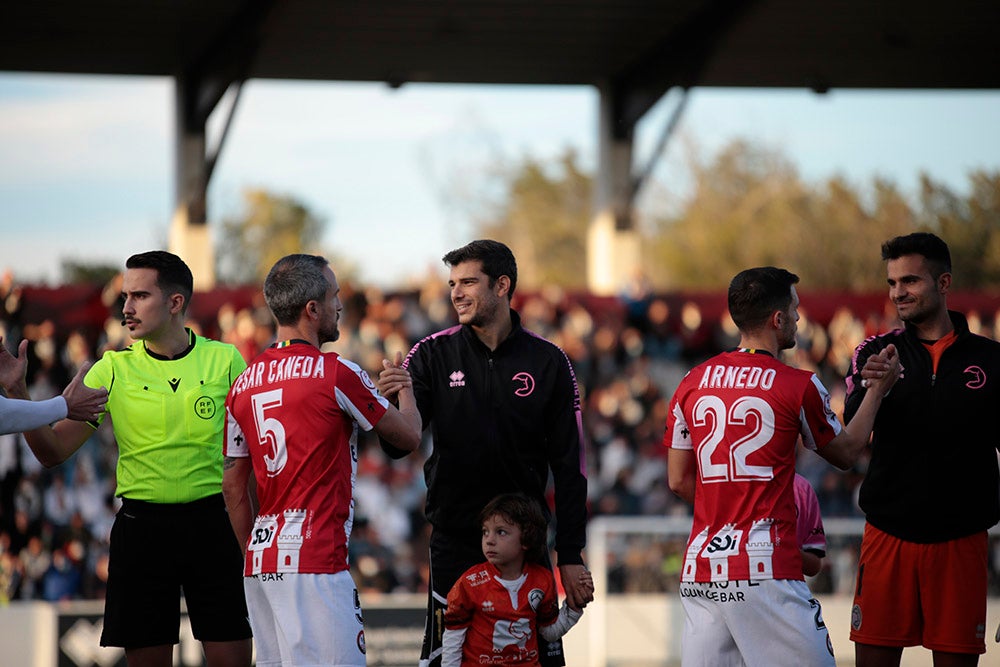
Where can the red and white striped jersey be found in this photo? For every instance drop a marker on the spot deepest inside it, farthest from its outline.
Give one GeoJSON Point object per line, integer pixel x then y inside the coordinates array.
{"type": "Point", "coordinates": [741, 413]}
{"type": "Point", "coordinates": [295, 412]}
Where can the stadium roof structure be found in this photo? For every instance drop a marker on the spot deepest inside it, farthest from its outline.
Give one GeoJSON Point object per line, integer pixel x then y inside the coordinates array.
{"type": "Point", "coordinates": [641, 47]}
{"type": "Point", "coordinates": [634, 51]}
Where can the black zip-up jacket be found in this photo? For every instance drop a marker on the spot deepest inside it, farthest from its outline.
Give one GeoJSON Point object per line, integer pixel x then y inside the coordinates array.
{"type": "Point", "coordinates": [933, 474]}
{"type": "Point", "coordinates": [500, 420]}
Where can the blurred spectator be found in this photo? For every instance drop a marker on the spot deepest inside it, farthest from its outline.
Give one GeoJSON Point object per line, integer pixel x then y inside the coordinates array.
{"type": "Point", "coordinates": [35, 561]}
{"type": "Point", "coordinates": [10, 575]}
{"type": "Point", "coordinates": [59, 500]}
{"type": "Point", "coordinates": [61, 580]}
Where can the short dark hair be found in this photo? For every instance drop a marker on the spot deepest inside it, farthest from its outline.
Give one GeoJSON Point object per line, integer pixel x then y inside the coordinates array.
{"type": "Point", "coordinates": [755, 294]}
{"type": "Point", "coordinates": [497, 260]}
{"type": "Point", "coordinates": [524, 513]}
{"type": "Point", "coordinates": [928, 245]}
{"type": "Point", "coordinates": [292, 282]}
{"type": "Point", "coordinates": [172, 274]}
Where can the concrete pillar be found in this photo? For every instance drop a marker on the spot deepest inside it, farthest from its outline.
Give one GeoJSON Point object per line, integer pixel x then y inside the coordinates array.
{"type": "Point", "coordinates": [189, 233]}
{"type": "Point", "coordinates": [613, 250]}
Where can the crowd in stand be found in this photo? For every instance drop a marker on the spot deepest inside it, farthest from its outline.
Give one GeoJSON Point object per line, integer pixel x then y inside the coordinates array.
{"type": "Point", "coordinates": [629, 353]}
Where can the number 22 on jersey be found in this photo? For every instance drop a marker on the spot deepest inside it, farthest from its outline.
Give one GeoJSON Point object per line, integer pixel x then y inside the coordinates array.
{"type": "Point", "coordinates": [753, 417]}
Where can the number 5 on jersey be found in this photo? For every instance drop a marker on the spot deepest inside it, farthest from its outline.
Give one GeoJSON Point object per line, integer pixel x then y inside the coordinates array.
{"type": "Point", "coordinates": [270, 431]}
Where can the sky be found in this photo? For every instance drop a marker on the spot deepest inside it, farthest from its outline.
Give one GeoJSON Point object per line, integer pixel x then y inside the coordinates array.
{"type": "Point", "coordinates": [86, 163]}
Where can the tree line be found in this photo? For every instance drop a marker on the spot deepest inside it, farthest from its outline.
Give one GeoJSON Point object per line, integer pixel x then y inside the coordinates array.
{"type": "Point", "coordinates": [745, 206]}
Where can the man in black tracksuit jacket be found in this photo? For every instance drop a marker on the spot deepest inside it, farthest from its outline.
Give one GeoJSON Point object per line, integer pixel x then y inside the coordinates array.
{"type": "Point", "coordinates": [933, 483]}
{"type": "Point", "coordinates": [504, 411]}
{"type": "Point", "coordinates": [933, 471]}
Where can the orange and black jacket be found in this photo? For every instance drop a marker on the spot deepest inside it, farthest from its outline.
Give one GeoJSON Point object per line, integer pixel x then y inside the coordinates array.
{"type": "Point", "coordinates": [933, 473]}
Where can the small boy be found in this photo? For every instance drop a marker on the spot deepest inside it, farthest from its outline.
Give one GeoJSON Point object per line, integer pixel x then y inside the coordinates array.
{"type": "Point", "coordinates": [497, 609]}
{"type": "Point", "coordinates": [809, 527]}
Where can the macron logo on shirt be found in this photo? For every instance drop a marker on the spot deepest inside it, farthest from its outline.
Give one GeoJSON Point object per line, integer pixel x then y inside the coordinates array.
{"type": "Point", "coordinates": [457, 379]}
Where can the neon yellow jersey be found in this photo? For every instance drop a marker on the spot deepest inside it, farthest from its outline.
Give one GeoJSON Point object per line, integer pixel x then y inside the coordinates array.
{"type": "Point", "coordinates": [168, 417]}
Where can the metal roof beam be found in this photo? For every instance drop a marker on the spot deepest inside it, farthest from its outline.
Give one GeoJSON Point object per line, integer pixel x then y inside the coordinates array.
{"type": "Point", "coordinates": [677, 60]}
{"type": "Point", "coordinates": [228, 59]}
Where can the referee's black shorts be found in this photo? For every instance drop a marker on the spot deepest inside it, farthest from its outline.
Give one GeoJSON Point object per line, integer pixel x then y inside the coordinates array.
{"type": "Point", "coordinates": [159, 551]}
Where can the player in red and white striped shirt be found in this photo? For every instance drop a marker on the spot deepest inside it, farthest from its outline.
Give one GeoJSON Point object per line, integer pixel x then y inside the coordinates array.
{"type": "Point", "coordinates": [732, 429]}
{"type": "Point", "coordinates": [293, 417]}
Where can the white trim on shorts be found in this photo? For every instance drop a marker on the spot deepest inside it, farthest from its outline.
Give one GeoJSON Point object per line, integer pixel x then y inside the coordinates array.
{"type": "Point", "coordinates": [775, 622]}
{"type": "Point", "coordinates": [300, 620]}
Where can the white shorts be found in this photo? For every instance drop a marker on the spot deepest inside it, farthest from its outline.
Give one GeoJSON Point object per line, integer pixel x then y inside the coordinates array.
{"type": "Point", "coordinates": [300, 620]}
{"type": "Point", "coordinates": [732, 624]}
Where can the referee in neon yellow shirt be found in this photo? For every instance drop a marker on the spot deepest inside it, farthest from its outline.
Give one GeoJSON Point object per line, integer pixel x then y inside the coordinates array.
{"type": "Point", "coordinates": [166, 395]}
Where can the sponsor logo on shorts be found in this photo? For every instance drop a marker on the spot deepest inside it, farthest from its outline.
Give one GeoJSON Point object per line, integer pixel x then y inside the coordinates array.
{"type": "Point", "coordinates": [818, 613]}
{"type": "Point", "coordinates": [269, 576]}
{"type": "Point", "coordinates": [856, 617]}
{"type": "Point", "coordinates": [717, 591]}
{"type": "Point", "coordinates": [361, 641]}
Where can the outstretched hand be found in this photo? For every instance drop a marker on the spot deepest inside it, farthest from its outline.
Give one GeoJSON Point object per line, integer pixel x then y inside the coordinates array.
{"type": "Point", "coordinates": [13, 369]}
{"type": "Point", "coordinates": [82, 402]}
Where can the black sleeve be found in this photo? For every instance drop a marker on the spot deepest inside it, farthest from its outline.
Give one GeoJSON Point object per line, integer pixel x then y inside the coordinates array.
{"type": "Point", "coordinates": [565, 442]}
{"type": "Point", "coordinates": [391, 451]}
{"type": "Point", "coordinates": [855, 392]}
